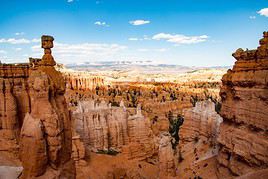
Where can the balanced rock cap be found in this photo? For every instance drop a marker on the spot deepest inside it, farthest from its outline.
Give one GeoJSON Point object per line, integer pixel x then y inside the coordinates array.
{"type": "Point", "coordinates": [47, 41]}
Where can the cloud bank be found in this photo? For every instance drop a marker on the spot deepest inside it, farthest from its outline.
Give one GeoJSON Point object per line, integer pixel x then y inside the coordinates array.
{"type": "Point", "coordinates": [83, 51]}
{"type": "Point", "coordinates": [139, 22]}
{"type": "Point", "coordinates": [180, 39]}
{"type": "Point", "coordinates": [99, 23]}
{"type": "Point", "coordinates": [263, 12]}
{"type": "Point", "coordinates": [18, 41]}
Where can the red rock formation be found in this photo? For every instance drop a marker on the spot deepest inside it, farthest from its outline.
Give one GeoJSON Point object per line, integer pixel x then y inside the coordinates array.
{"type": "Point", "coordinates": [81, 80]}
{"type": "Point", "coordinates": [198, 141]}
{"type": "Point", "coordinates": [103, 128]}
{"type": "Point", "coordinates": [167, 167]}
{"type": "Point", "coordinates": [14, 104]}
{"type": "Point", "coordinates": [243, 133]}
{"type": "Point", "coordinates": [33, 101]}
{"type": "Point", "coordinates": [9, 130]}
{"type": "Point", "coordinates": [78, 151]}
{"type": "Point", "coordinates": [200, 123]}
{"type": "Point", "coordinates": [141, 140]}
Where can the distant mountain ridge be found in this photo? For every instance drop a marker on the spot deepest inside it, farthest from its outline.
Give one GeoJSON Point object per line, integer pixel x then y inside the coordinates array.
{"type": "Point", "coordinates": [144, 66]}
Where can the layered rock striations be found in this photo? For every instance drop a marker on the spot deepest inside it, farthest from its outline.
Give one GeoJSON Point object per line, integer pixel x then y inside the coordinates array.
{"type": "Point", "coordinates": [104, 128]}
{"type": "Point", "coordinates": [14, 104]}
{"type": "Point", "coordinates": [82, 81]}
{"type": "Point", "coordinates": [198, 147]}
{"type": "Point", "coordinates": [35, 117]}
{"type": "Point", "coordinates": [200, 123]}
{"type": "Point", "coordinates": [243, 133]}
{"type": "Point", "coordinates": [166, 154]}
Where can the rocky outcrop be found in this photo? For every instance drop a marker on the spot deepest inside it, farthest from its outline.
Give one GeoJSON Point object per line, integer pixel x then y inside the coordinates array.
{"type": "Point", "coordinates": [200, 123]}
{"type": "Point", "coordinates": [167, 167]}
{"type": "Point", "coordinates": [78, 80]}
{"type": "Point", "coordinates": [78, 151]}
{"type": "Point", "coordinates": [35, 118]}
{"type": "Point", "coordinates": [14, 104]}
{"type": "Point", "coordinates": [34, 156]}
{"type": "Point", "coordinates": [140, 137]}
{"type": "Point", "coordinates": [243, 133]}
{"type": "Point", "coordinates": [104, 128]}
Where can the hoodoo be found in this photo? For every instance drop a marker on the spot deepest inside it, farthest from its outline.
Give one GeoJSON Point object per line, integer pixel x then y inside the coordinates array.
{"type": "Point", "coordinates": [35, 92]}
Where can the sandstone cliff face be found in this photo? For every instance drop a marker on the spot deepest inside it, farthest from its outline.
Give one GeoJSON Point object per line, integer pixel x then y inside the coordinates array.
{"type": "Point", "coordinates": [81, 81]}
{"type": "Point", "coordinates": [166, 154]}
{"type": "Point", "coordinates": [14, 104]}
{"type": "Point", "coordinates": [198, 145]}
{"type": "Point", "coordinates": [243, 133]}
{"type": "Point", "coordinates": [200, 123]}
{"type": "Point", "coordinates": [34, 116]}
{"type": "Point", "coordinates": [103, 128]}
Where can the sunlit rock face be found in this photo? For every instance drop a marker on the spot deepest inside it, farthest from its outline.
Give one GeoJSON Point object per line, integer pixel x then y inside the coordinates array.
{"type": "Point", "coordinates": [198, 147]}
{"type": "Point", "coordinates": [200, 123]}
{"type": "Point", "coordinates": [34, 117]}
{"type": "Point", "coordinates": [14, 104]}
{"type": "Point", "coordinates": [243, 133]}
{"type": "Point", "coordinates": [82, 81]}
{"type": "Point", "coordinates": [166, 154]}
{"type": "Point", "coordinates": [103, 128]}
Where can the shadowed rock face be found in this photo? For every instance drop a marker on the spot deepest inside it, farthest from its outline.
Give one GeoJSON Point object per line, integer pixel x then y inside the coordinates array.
{"type": "Point", "coordinates": [243, 133]}
{"type": "Point", "coordinates": [34, 103]}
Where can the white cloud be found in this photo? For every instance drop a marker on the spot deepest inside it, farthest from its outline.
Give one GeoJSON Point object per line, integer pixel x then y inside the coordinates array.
{"type": "Point", "coordinates": [252, 17]}
{"type": "Point", "coordinates": [99, 23]}
{"type": "Point", "coordinates": [133, 39]}
{"type": "Point", "coordinates": [36, 40]}
{"type": "Point", "coordinates": [139, 22]}
{"type": "Point", "coordinates": [83, 51]}
{"type": "Point", "coordinates": [19, 33]}
{"type": "Point", "coordinates": [18, 49]}
{"type": "Point", "coordinates": [69, 1]}
{"type": "Point", "coordinates": [145, 37]}
{"type": "Point", "coordinates": [139, 39]}
{"type": "Point", "coordinates": [3, 52]}
{"type": "Point", "coordinates": [152, 50]}
{"type": "Point", "coordinates": [263, 12]}
{"type": "Point", "coordinates": [15, 41]}
{"type": "Point", "coordinates": [18, 41]}
{"type": "Point", "coordinates": [161, 50]}
{"type": "Point", "coordinates": [143, 50]}
{"type": "Point", "coordinates": [180, 39]}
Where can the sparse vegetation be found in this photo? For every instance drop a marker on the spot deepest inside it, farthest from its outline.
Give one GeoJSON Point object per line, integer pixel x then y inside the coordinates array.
{"type": "Point", "coordinates": [108, 152]}
{"type": "Point", "coordinates": [174, 127]}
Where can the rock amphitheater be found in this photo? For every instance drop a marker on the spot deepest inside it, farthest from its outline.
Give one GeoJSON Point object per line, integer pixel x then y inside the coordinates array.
{"type": "Point", "coordinates": [58, 124]}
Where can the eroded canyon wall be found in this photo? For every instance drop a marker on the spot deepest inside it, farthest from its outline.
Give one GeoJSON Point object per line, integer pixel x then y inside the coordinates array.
{"type": "Point", "coordinates": [14, 104]}
{"type": "Point", "coordinates": [106, 128]}
{"type": "Point", "coordinates": [35, 121]}
{"type": "Point", "coordinates": [200, 123]}
{"type": "Point", "coordinates": [82, 80]}
{"type": "Point", "coordinates": [243, 133]}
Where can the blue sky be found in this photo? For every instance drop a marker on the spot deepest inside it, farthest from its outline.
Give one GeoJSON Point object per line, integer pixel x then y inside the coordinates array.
{"type": "Point", "coordinates": [183, 32]}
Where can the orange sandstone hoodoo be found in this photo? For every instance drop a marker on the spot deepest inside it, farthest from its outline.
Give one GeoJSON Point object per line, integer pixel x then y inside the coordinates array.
{"type": "Point", "coordinates": [32, 99]}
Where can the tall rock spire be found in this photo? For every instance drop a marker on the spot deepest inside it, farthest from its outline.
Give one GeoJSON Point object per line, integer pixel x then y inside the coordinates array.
{"type": "Point", "coordinates": [47, 44]}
